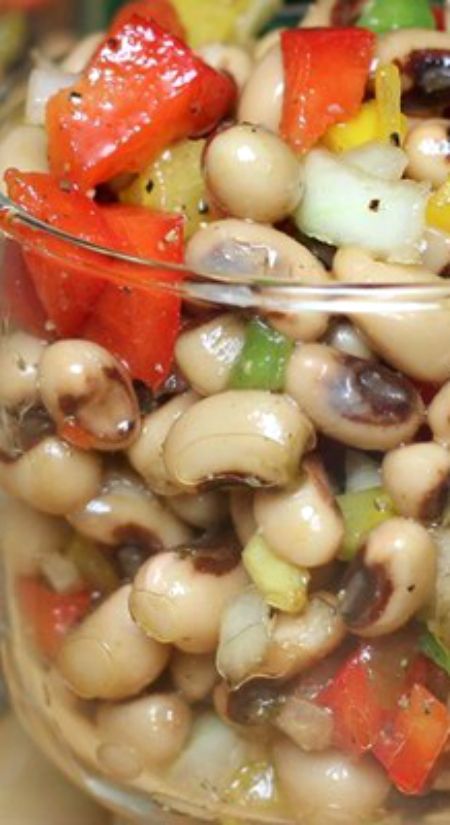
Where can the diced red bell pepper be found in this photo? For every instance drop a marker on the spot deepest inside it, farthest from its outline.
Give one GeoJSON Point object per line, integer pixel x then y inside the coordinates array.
{"type": "Point", "coordinates": [439, 16]}
{"type": "Point", "coordinates": [61, 276]}
{"type": "Point", "coordinates": [326, 72]}
{"type": "Point", "coordinates": [411, 746]}
{"type": "Point", "coordinates": [143, 90]}
{"type": "Point", "coordinates": [141, 326]}
{"type": "Point", "coordinates": [355, 703]}
{"type": "Point", "coordinates": [19, 302]}
{"type": "Point", "coordinates": [50, 615]}
{"type": "Point", "coordinates": [161, 11]}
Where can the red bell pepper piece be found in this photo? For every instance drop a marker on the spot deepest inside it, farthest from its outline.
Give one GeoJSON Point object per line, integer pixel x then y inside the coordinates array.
{"type": "Point", "coordinates": [141, 326]}
{"type": "Point", "coordinates": [50, 615]}
{"type": "Point", "coordinates": [410, 747]}
{"type": "Point", "coordinates": [439, 16]}
{"type": "Point", "coordinates": [354, 700]}
{"type": "Point", "coordinates": [19, 302]}
{"type": "Point", "coordinates": [61, 276]}
{"type": "Point", "coordinates": [326, 72]}
{"type": "Point", "coordinates": [143, 90]}
{"type": "Point", "coordinates": [161, 11]}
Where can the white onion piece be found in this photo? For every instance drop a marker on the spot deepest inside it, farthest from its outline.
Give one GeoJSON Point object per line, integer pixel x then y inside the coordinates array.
{"type": "Point", "coordinates": [24, 148]}
{"type": "Point", "coordinates": [42, 85]}
{"type": "Point", "coordinates": [346, 338]}
{"type": "Point", "coordinates": [209, 761]}
{"type": "Point", "coordinates": [307, 724]}
{"type": "Point", "coordinates": [378, 159]}
{"type": "Point", "coordinates": [244, 636]}
{"type": "Point", "coordinates": [61, 573]}
{"type": "Point", "coordinates": [344, 206]}
{"type": "Point", "coordinates": [362, 472]}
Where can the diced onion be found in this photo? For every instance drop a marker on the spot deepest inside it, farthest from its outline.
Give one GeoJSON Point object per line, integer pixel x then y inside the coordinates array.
{"type": "Point", "coordinates": [307, 724]}
{"type": "Point", "coordinates": [345, 206]}
{"type": "Point", "coordinates": [362, 472]}
{"type": "Point", "coordinates": [42, 85]}
{"type": "Point", "coordinates": [244, 636]}
{"type": "Point", "coordinates": [378, 159]}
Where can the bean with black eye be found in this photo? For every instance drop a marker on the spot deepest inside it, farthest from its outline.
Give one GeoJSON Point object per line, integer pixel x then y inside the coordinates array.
{"type": "Point", "coordinates": [226, 57]}
{"type": "Point", "coordinates": [439, 416]}
{"type": "Point", "coordinates": [206, 511]}
{"type": "Point", "coordinates": [357, 402]}
{"type": "Point", "coordinates": [194, 675]}
{"type": "Point", "coordinates": [250, 437]}
{"type": "Point", "coordinates": [52, 476]}
{"type": "Point", "coordinates": [179, 598]}
{"type": "Point", "coordinates": [417, 479]}
{"type": "Point", "coordinates": [108, 656]}
{"type": "Point", "coordinates": [89, 395]}
{"type": "Point", "coordinates": [262, 97]}
{"type": "Point", "coordinates": [20, 355]}
{"type": "Point", "coordinates": [390, 580]}
{"type": "Point", "coordinates": [207, 353]}
{"type": "Point", "coordinates": [242, 514]}
{"type": "Point", "coordinates": [428, 149]}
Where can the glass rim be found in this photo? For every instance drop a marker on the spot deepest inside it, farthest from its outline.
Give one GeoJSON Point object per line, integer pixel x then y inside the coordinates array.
{"type": "Point", "coordinates": [261, 292]}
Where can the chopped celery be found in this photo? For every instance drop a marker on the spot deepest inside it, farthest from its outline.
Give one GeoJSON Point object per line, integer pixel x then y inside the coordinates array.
{"type": "Point", "coordinates": [263, 360]}
{"type": "Point", "coordinates": [363, 511]}
{"type": "Point", "coordinates": [283, 585]}
{"type": "Point", "coordinates": [386, 15]}
{"type": "Point", "coordinates": [224, 21]}
{"type": "Point", "coordinates": [13, 37]}
{"type": "Point", "coordinates": [174, 183]}
{"type": "Point", "coordinates": [93, 565]}
{"type": "Point", "coordinates": [435, 650]}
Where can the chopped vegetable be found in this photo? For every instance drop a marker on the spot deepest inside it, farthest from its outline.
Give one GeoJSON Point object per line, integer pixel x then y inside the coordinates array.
{"type": "Point", "coordinates": [438, 209]}
{"type": "Point", "coordinates": [410, 747]}
{"type": "Point", "coordinates": [50, 615]}
{"type": "Point", "coordinates": [162, 12]}
{"type": "Point", "coordinates": [174, 183]}
{"type": "Point", "coordinates": [223, 21]}
{"type": "Point", "coordinates": [254, 785]}
{"type": "Point", "coordinates": [244, 636]}
{"type": "Point", "coordinates": [263, 360]}
{"type": "Point", "coordinates": [115, 306]}
{"type": "Point", "coordinates": [142, 90]}
{"type": "Point", "coordinates": [378, 159]}
{"type": "Point", "coordinates": [43, 83]}
{"type": "Point", "coordinates": [283, 585]}
{"type": "Point", "coordinates": [386, 15]}
{"type": "Point", "coordinates": [435, 650]}
{"type": "Point", "coordinates": [365, 127]}
{"type": "Point", "coordinates": [19, 302]}
{"type": "Point", "coordinates": [93, 565]}
{"type": "Point", "coordinates": [388, 89]}
{"type": "Point", "coordinates": [311, 103]}
{"type": "Point", "coordinates": [363, 511]}
{"type": "Point", "coordinates": [344, 206]}
{"type": "Point", "coordinates": [354, 699]}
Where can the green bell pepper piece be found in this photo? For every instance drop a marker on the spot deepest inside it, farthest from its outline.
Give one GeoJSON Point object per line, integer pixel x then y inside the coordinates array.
{"type": "Point", "coordinates": [362, 511]}
{"type": "Point", "coordinates": [263, 360]}
{"type": "Point", "coordinates": [282, 585]}
{"type": "Point", "coordinates": [386, 15]}
{"type": "Point", "coordinates": [435, 650]}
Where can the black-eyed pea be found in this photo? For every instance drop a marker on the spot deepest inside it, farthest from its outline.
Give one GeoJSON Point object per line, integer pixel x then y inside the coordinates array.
{"type": "Point", "coordinates": [390, 580]}
{"type": "Point", "coordinates": [179, 597]}
{"type": "Point", "coordinates": [227, 57]}
{"type": "Point", "coordinates": [331, 785]}
{"type": "Point", "coordinates": [89, 395]}
{"type": "Point", "coordinates": [205, 511]}
{"type": "Point", "coordinates": [346, 338]}
{"type": "Point", "coordinates": [360, 403]}
{"type": "Point", "coordinates": [439, 416]}
{"type": "Point", "coordinates": [77, 60]}
{"type": "Point", "coordinates": [301, 524]}
{"type": "Point", "coordinates": [250, 437]}
{"type": "Point", "coordinates": [29, 538]}
{"type": "Point", "coordinates": [428, 148]}
{"type": "Point", "coordinates": [150, 731]}
{"type": "Point", "coordinates": [108, 656]}
{"type": "Point", "coordinates": [207, 353]}
{"type": "Point", "coordinates": [262, 96]}
{"type": "Point", "coordinates": [20, 355]}
{"type": "Point", "coordinates": [194, 675]}
{"type": "Point", "coordinates": [146, 455]}
{"type": "Point", "coordinates": [242, 514]}
{"type": "Point", "coordinates": [52, 476]}
{"type": "Point", "coordinates": [417, 479]}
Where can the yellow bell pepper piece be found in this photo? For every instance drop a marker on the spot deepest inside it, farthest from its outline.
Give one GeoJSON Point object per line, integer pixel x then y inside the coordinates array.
{"type": "Point", "coordinates": [388, 96]}
{"type": "Point", "coordinates": [438, 208]}
{"type": "Point", "coordinates": [365, 127]}
{"type": "Point", "coordinates": [281, 584]}
{"type": "Point", "coordinates": [174, 183]}
{"type": "Point", "coordinates": [223, 21]}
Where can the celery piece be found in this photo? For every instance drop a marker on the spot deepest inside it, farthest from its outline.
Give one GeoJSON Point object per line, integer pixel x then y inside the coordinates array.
{"type": "Point", "coordinates": [263, 360]}
{"type": "Point", "coordinates": [282, 585]}
{"type": "Point", "coordinates": [435, 650]}
{"type": "Point", "coordinates": [362, 511]}
{"type": "Point", "coordinates": [387, 15]}
{"type": "Point", "coordinates": [93, 565]}
{"type": "Point", "coordinates": [174, 183]}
